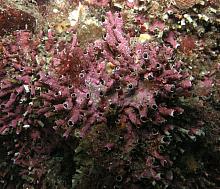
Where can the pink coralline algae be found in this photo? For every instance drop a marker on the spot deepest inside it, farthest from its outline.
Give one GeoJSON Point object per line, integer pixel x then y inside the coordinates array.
{"type": "Point", "coordinates": [80, 87]}
{"type": "Point", "coordinates": [110, 82]}
{"type": "Point", "coordinates": [137, 84]}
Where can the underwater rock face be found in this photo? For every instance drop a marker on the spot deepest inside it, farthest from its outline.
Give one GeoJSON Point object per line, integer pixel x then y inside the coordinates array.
{"type": "Point", "coordinates": [185, 4]}
{"type": "Point", "coordinates": [110, 83]}
{"type": "Point", "coordinates": [117, 98]}
{"type": "Point", "coordinates": [12, 19]}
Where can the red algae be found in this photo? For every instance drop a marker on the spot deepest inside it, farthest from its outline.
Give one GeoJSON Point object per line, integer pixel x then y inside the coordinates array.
{"type": "Point", "coordinates": [187, 44]}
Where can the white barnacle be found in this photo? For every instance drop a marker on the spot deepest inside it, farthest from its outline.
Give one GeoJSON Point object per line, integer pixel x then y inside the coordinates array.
{"type": "Point", "coordinates": [16, 154]}
{"type": "Point", "coordinates": [188, 18]}
{"type": "Point", "coordinates": [165, 17]}
{"type": "Point", "coordinates": [183, 22]}
{"type": "Point", "coordinates": [22, 100]}
{"type": "Point", "coordinates": [55, 10]}
{"type": "Point", "coordinates": [26, 88]}
{"type": "Point", "coordinates": [26, 126]}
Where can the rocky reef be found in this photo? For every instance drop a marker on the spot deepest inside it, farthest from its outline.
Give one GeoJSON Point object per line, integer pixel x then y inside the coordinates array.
{"type": "Point", "coordinates": [110, 94]}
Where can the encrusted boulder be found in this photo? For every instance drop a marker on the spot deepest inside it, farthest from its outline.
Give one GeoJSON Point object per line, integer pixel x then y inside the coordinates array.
{"type": "Point", "coordinates": [13, 18]}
